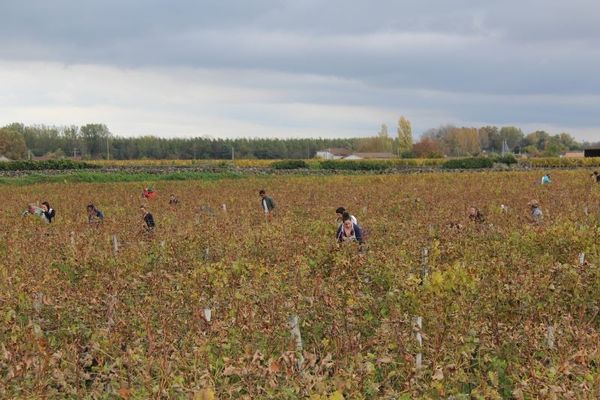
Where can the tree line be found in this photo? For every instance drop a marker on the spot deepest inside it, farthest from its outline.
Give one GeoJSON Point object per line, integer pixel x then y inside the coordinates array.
{"type": "Point", "coordinates": [95, 141]}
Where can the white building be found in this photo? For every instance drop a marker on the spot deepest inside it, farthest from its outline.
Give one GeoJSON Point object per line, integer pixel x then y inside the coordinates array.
{"type": "Point", "coordinates": [333, 153]}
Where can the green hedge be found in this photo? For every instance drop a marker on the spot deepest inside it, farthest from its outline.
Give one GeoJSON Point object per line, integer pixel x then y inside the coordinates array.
{"type": "Point", "coordinates": [289, 164]}
{"type": "Point", "coordinates": [43, 165]}
{"type": "Point", "coordinates": [357, 165]}
{"type": "Point", "coordinates": [506, 159]}
{"type": "Point", "coordinates": [468, 163]}
{"type": "Point", "coordinates": [557, 162]}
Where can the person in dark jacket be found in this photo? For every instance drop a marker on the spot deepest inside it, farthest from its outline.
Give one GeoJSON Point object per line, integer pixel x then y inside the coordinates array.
{"type": "Point", "coordinates": [348, 231]}
{"type": "Point", "coordinates": [475, 215]}
{"type": "Point", "coordinates": [266, 203]}
{"type": "Point", "coordinates": [95, 216]}
{"type": "Point", "coordinates": [148, 219]}
{"type": "Point", "coordinates": [48, 211]}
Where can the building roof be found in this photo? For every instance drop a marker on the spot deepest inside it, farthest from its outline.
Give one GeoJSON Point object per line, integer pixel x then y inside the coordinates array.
{"type": "Point", "coordinates": [338, 151]}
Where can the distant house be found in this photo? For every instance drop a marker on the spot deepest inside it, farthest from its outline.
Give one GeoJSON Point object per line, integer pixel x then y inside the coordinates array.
{"type": "Point", "coordinates": [573, 154]}
{"type": "Point", "coordinates": [334, 153]}
{"type": "Point", "coordinates": [595, 152]}
{"type": "Point", "coordinates": [370, 156]}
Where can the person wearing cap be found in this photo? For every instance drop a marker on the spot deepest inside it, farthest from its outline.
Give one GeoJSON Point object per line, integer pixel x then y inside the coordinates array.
{"type": "Point", "coordinates": [339, 212]}
{"type": "Point", "coordinates": [266, 202]}
{"type": "Point", "coordinates": [536, 212]}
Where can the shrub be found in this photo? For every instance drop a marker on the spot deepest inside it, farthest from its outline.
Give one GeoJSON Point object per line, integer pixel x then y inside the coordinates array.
{"type": "Point", "coordinates": [289, 164]}
{"type": "Point", "coordinates": [357, 165]}
{"type": "Point", "coordinates": [468, 163]}
{"type": "Point", "coordinates": [506, 159]}
{"type": "Point", "coordinates": [557, 162]}
{"type": "Point", "coordinates": [27, 165]}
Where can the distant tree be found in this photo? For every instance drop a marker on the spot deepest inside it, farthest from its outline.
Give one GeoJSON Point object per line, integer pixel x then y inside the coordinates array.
{"type": "Point", "coordinates": [569, 141]}
{"type": "Point", "coordinates": [513, 136]}
{"type": "Point", "coordinates": [442, 136]}
{"type": "Point", "coordinates": [537, 139]}
{"type": "Point", "coordinates": [380, 143]}
{"type": "Point", "coordinates": [405, 138]}
{"type": "Point", "coordinates": [427, 148]}
{"type": "Point", "coordinates": [530, 150]}
{"type": "Point", "coordinates": [386, 142]}
{"type": "Point", "coordinates": [94, 138]}
{"type": "Point", "coordinates": [488, 135]}
{"type": "Point", "coordinates": [554, 147]}
{"type": "Point", "coordinates": [465, 141]}
{"type": "Point", "coordinates": [12, 144]}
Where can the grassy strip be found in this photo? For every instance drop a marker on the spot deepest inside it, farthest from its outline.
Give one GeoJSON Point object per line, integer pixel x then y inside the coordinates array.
{"type": "Point", "coordinates": [103, 177]}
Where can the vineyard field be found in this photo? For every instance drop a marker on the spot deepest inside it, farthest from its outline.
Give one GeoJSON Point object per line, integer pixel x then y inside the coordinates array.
{"type": "Point", "coordinates": [202, 307]}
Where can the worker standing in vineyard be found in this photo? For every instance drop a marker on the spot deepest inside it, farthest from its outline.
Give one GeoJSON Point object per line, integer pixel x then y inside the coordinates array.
{"type": "Point", "coordinates": [173, 201]}
{"type": "Point", "coordinates": [348, 231]}
{"type": "Point", "coordinates": [536, 212]}
{"type": "Point", "coordinates": [339, 212]}
{"type": "Point", "coordinates": [148, 220]}
{"type": "Point", "coordinates": [596, 177]}
{"type": "Point", "coordinates": [267, 203]}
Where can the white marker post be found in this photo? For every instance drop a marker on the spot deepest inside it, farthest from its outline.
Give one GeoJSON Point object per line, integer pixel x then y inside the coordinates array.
{"type": "Point", "coordinates": [424, 263]}
{"type": "Point", "coordinates": [295, 330]}
{"type": "Point", "coordinates": [550, 336]}
{"type": "Point", "coordinates": [115, 244]}
{"type": "Point", "coordinates": [419, 337]}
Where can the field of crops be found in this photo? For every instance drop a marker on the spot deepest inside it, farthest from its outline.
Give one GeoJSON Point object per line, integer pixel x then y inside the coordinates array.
{"type": "Point", "coordinates": [508, 309]}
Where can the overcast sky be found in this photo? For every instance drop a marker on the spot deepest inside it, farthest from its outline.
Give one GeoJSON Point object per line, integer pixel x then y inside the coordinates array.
{"type": "Point", "coordinates": [301, 68]}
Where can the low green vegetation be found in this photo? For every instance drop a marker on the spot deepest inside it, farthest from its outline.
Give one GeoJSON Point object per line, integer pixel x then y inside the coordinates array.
{"type": "Point", "coordinates": [61, 164]}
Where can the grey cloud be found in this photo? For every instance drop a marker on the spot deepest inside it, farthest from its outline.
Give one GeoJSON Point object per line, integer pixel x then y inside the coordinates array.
{"type": "Point", "coordinates": [379, 54]}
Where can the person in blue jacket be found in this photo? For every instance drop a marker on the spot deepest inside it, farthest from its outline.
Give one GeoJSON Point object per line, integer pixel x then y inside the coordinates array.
{"type": "Point", "coordinates": [348, 231]}
{"type": "Point", "coordinates": [546, 179]}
